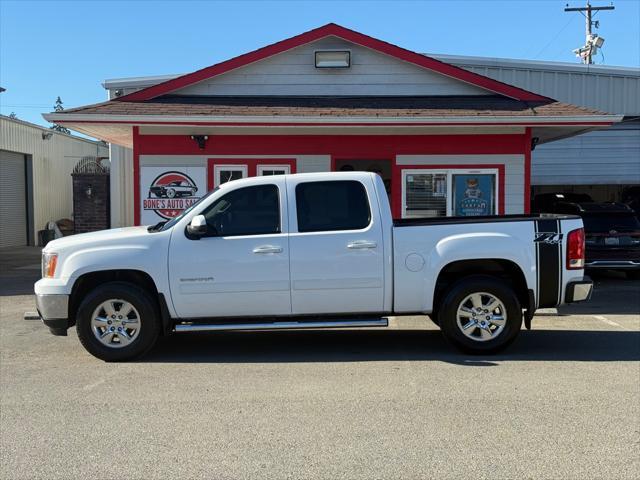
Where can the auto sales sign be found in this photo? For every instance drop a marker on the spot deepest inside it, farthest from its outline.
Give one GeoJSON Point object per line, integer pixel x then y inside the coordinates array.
{"type": "Point", "coordinates": [166, 192]}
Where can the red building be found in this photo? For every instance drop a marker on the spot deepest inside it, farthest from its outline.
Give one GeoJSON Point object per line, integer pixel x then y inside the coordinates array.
{"type": "Point", "coordinates": [445, 140]}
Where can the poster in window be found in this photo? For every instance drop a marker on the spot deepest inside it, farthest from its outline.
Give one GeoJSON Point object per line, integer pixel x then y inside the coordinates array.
{"type": "Point", "coordinates": [473, 195]}
{"type": "Point", "coordinates": [167, 191]}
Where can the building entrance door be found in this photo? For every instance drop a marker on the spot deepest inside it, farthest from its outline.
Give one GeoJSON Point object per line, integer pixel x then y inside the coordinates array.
{"type": "Point", "coordinates": [380, 166]}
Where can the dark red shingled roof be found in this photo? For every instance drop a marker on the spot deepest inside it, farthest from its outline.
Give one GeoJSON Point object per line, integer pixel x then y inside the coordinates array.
{"type": "Point", "coordinates": [461, 106]}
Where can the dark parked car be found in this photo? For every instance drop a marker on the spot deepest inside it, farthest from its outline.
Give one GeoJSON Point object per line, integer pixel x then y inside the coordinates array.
{"type": "Point", "coordinates": [612, 233]}
{"type": "Point", "coordinates": [548, 202]}
{"type": "Point", "coordinates": [631, 197]}
{"type": "Point", "coordinates": [174, 189]}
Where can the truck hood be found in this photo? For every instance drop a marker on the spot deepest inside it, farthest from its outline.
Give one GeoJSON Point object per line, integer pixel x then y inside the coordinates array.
{"type": "Point", "coordinates": [112, 237]}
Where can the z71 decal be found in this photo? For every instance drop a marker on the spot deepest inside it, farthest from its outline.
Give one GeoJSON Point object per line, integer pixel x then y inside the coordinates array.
{"type": "Point", "coordinates": [552, 238]}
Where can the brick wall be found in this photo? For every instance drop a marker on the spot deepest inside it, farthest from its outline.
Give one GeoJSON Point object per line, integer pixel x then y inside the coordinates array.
{"type": "Point", "coordinates": [90, 212]}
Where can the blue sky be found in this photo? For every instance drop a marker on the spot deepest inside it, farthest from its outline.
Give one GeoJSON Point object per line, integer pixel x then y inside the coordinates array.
{"type": "Point", "coordinates": [67, 48]}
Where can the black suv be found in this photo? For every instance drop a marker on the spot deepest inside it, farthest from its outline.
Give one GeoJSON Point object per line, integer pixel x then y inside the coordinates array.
{"type": "Point", "coordinates": [612, 233]}
{"type": "Point", "coordinates": [548, 202]}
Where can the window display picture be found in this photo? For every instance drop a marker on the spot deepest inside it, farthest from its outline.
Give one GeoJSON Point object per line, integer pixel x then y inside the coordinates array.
{"type": "Point", "coordinates": [166, 192]}
{"type": "Point", "coordinates": [474, 194]}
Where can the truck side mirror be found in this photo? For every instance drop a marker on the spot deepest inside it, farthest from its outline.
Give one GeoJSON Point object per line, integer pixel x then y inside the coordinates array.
{"type": "Point", "coordinates": [198, 226]}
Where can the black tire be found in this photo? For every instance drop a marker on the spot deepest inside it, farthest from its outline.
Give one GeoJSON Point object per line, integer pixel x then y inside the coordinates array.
{"type": "Point", "coordinates": [147, 310]}
{"type": "Point", "coordinates": [448, 312]}
{"type": "Point", "coordinates": [171, 193]}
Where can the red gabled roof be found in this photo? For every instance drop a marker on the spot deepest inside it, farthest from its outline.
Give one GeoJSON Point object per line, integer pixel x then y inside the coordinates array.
{"type": "Point", "coordinates": [352, 36]}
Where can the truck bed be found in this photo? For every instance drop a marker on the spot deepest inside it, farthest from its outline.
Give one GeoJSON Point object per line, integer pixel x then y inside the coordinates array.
{"type": "Point", "coordinates": [416, 222]}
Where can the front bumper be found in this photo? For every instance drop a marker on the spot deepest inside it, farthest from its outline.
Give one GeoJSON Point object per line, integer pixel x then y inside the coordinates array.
{"type": "Point", "coordinates": [578, 290]}
{"type": "Point", "coordinates": [54, 311]}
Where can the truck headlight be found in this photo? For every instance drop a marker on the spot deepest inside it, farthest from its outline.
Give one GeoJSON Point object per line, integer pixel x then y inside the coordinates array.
{"type": "Point", "coordinates": [49, 263]}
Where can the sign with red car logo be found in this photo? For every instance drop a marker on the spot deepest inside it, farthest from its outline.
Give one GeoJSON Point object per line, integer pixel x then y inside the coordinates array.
{"type": "Point", "coordinates": [167, 192]}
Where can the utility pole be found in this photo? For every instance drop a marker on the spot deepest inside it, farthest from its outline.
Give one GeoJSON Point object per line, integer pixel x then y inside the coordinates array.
{"type": "Point", "coordinates": [593, 42]}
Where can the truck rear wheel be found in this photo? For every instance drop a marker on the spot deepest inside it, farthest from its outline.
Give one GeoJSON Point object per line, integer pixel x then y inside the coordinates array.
{"type": "Point", "coordinates": [117, 321]}
{"type": "Point", "coordinates": [480, 315]}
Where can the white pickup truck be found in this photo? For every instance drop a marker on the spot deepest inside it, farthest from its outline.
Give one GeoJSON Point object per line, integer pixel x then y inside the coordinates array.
{"type": "Point", "coordinates": [308, 251]}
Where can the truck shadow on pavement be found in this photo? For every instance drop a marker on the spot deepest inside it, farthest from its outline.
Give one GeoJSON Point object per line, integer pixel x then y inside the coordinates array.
{"type": "Point", "coordinates": [390, 345]}
{"type": "Point", "coordinates": [613, 294]}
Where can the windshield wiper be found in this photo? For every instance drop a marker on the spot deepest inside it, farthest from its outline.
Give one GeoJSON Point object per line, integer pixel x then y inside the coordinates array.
{"type": "Point", "coordinates": [157, 226]}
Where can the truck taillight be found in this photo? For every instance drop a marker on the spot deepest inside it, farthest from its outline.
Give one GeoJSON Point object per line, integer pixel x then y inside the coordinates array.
{"type": "Point", "coordinates": [575, 249]}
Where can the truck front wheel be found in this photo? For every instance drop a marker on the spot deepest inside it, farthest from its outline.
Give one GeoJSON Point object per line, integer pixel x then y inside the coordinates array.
{"type": "Point", "coordinates": [480, 315]}
{"type": "Point", "coordinates": [117, 321]}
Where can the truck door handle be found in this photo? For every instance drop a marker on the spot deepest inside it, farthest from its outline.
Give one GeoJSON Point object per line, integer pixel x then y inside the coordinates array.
{"type": "Point", "coordinates": [267, 249]}
{"type": "Point", "coordinates": [360, 244]}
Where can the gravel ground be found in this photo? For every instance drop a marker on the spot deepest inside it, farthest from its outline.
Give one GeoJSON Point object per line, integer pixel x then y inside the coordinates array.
{"type": "Point", "coordinates": [562, 402]}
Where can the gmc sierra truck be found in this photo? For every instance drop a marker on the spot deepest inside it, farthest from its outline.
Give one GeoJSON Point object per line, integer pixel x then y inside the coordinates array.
{"type": "Point", "coordinates": [313, 251]}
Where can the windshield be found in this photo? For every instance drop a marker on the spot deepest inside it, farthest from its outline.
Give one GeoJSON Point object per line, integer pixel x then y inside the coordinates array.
{"type": "Point", "coordinates": [162, 226]}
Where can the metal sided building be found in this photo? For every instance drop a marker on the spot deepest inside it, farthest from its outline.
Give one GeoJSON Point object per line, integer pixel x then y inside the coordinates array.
{"type": "Point", "coordinates": [602, 163]}
{"type": "Point", "coordinates": [445, 140]}
{"type": "Point", "coordinates": [35, 177]}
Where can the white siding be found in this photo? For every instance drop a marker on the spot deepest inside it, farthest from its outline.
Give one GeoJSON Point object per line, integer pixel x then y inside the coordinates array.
{"type": "Point", "coordinates": [314, 163]}
{"type": "Point", "coordinates": [121, 186]}
{"type": "Point", "coordinates": [513, 172]}
{"type": "Point", "coordinates": [602, 157]}
{"type": "Point", "coordinates": [52, 160]}
{"type": "Point", "coordinates": [294, 73]}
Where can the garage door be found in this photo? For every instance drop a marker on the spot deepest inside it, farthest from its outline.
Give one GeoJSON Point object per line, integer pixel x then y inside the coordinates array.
{"type": "Point", "coordinates": [13, 200]}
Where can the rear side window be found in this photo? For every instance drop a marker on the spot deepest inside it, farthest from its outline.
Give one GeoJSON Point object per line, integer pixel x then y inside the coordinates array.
{"type": "Point", "coordinates": [245, 211]}
{"type": "Point", "coordinates": [336, 205]}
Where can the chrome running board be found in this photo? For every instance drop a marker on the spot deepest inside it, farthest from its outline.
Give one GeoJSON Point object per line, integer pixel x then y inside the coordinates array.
{"type": "Point", "coordinates": [201, 327]}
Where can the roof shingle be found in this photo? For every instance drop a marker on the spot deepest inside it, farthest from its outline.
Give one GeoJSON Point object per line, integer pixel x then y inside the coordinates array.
{"type": "Point", "coordinates": [461, 106]}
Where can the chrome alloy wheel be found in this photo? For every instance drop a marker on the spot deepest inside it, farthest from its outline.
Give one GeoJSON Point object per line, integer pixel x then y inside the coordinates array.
{"type": "Point", "coordinates": [115, 323]}
{"type": "Point", "coordinates": [481, 316]}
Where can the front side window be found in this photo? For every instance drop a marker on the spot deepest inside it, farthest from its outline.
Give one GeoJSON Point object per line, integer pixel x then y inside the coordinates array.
{"type": "Point", "coordinates": [330, 206]}
{"type": "Point", "coordinates": [245, 211]}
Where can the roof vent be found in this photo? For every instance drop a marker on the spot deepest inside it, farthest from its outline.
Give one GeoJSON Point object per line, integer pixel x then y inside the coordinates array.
{"type": "Point", "coordinates": [333, 59]}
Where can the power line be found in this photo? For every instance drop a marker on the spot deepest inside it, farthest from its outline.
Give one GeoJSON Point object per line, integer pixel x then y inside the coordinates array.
{"type": "Point", "coordinates": [554, 37]}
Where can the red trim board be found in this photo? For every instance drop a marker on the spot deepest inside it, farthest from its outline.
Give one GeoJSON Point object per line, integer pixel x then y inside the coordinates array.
{"type": "Point", "coordinates": [367, 146]}
{"type": "Point", "coordinates": [352, 36]}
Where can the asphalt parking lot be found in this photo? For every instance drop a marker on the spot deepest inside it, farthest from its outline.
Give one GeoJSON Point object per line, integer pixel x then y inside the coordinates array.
{"type": "Point", "coordinates": [562, 402]}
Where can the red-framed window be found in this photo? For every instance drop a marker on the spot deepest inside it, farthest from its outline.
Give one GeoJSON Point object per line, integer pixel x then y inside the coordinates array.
{"type": "Point", "coordinates": [441, 184]}
{"type": "Point", "coordinates": [221, 170]}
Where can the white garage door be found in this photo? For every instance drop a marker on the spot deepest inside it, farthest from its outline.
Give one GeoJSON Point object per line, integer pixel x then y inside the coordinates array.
{"type": "Point", "coordinates": [13, 200]}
